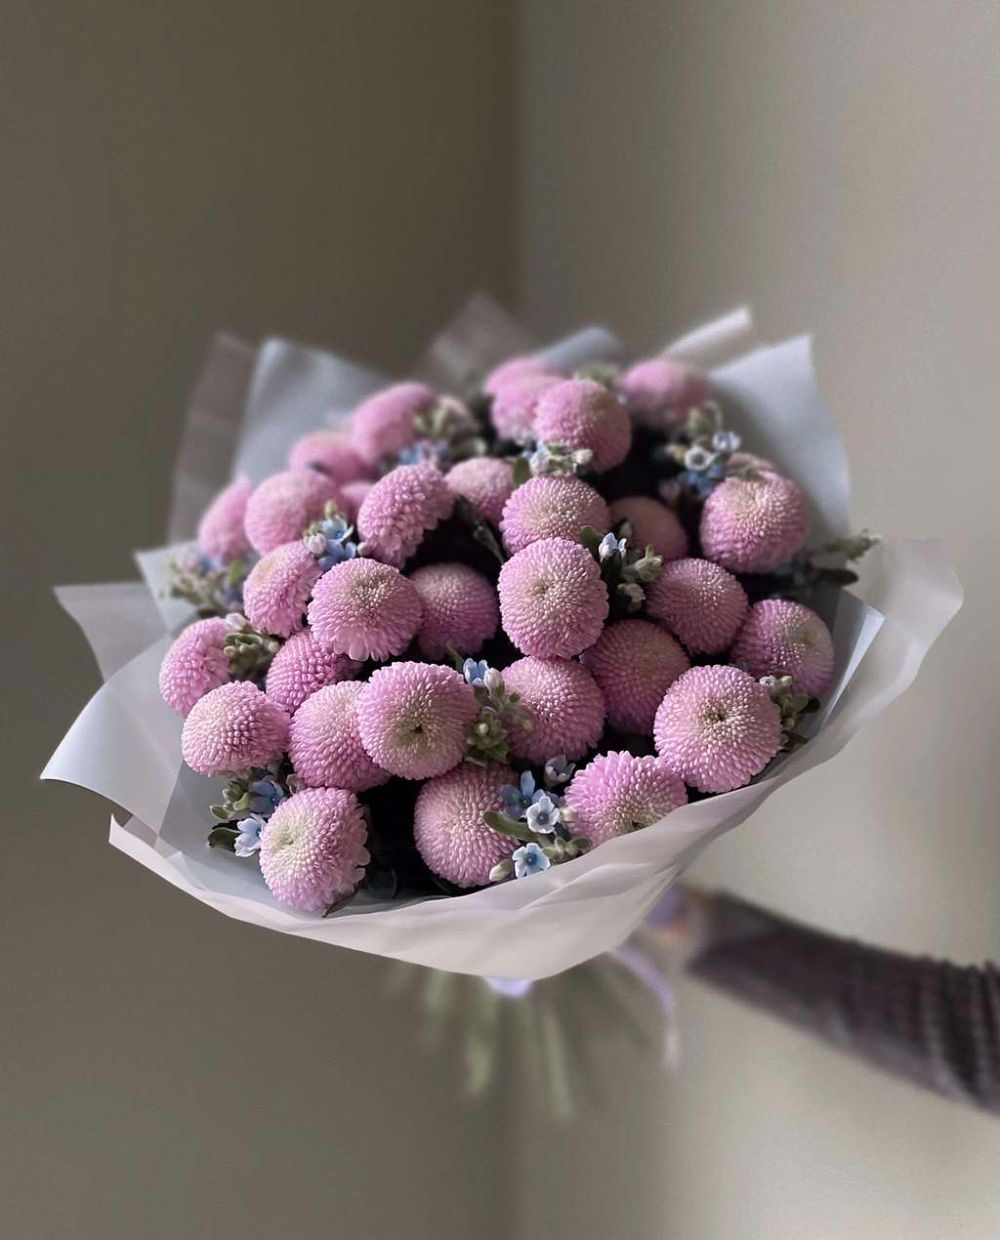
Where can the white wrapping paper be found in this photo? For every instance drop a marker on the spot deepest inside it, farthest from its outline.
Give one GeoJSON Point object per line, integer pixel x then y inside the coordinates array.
{"type": "Point", "coordinates": [126, 743]}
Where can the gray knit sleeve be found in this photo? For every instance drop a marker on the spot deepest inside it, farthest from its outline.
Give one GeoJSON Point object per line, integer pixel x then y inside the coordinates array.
{"type": "Point", "coordinates": [934, 1023]}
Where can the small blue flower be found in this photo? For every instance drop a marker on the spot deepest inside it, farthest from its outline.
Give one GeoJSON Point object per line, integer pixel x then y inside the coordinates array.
{"type": "Point", "coordinates": [698, 459]}
{"type": "Point", "coordinates": [265, 796]}
{"type": "Point", "coordinates": [336, 552]}
{"type": "Point", "coordinates": [559, 770]}
{"type": "Point", "coordinates": [727, 442]}
{"type": "Point", "coordinates": [475, 672]}
{"type": "Point", "coordinates": [248, 840]}
{"type": "Point", "coordinates": [527, 786]}
{"type": "Point", "coordinates": [609, 546]}
{"type": "Point", "coordinates": [543, 814]}
{"type": "Point", "coordinates": [336, 528]}
{"type": "Point", "coordinates": [529, 859]}
{"type": "Point", "coordinates": [426, 452]}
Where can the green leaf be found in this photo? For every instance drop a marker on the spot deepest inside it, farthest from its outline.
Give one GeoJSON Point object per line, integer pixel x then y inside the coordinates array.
{"type": "Point", "coordinates": [521, 471]}
{"type": "Point", "coordinates": [507, 826]}
{"type": "Point", "coordinates": [838, 576]}
{"type": "Point", "coordinates": [591, 539]}
{"type": "Point", "coordinates": [223, 837]}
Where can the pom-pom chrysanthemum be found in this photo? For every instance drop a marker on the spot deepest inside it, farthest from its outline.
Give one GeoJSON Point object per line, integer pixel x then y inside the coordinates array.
{"type": "Point", "coordinates": [582, 414]}
{"type": "Point", "coordinates": [634, 662]}
{"type": "Point", "coordinates": [618, 792]}
{"type": "Point", "coordinates": [652, 524]}
{"type": "Point", "coordinates": [485, 482]}
{"type": "Point", "coordinates": [365, 609]}
{"type": "Point", "coordinates": [283, 505]}
{"type": "Point", "coordinates": [448, 826]}
{"type": "Point", "coordinates": [332, 452]}
{"type": "Point", "coordinates": [460, 610]}
{"type": "Point", "coordinates": [233, 728]}
{"type": "Point", "coordinates": [753, 525]}
{"type": "Point", "coordinates": [717, 728]}
{"type": "Point", "coordinates": [782, 638]}
{"type": "Point", "coordinates": [551, 507]}
{"type": "Point", "coordinates": [383, 424]}
{"type": "Point", "coordinates": [659, 391]}
{"type": "Point", "coordinates": [700, 603]}
{"type": "Point", "coordinates": [515, 402]}
{"type": "Point", "coordinates": [563, 703]}
{"type": "Point", "coordinates": [303, 666]}
{"type": "Point", "coordinates": [195, 664]}
{"type": "Point", "coordinates": [400, 508]}
{"type": "Point", "coordinates": [325, 741]}
{"type": "Point", "coordinates": [553, 601]}
{"type": "Point", "coordinates": [312, 849]}
{"type": "Point", "coordinates": [277, 589]}
{"type": "Point", "coordinates": [221, 533]}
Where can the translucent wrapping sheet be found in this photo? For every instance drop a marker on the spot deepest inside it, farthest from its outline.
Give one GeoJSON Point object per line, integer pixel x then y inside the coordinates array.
{"type": "Point", "coordinates": [126, 743]}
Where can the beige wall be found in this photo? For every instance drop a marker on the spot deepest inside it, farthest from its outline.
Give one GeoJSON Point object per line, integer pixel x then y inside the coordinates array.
{"type": "Point", "coordinates": [837, 164]}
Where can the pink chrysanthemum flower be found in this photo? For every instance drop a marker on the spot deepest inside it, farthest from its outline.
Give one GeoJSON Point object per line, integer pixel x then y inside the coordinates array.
{"type": "Point", "coordinates": [513, 368]}
{"type": "Point", "coordinates": [516, 401]}
{"type": "Point", "coordinates": [751, 525]}
{"type": "Point", "coordinates": [332, 453]}
{"type": "Point", "coordinates": [277, 589]}
{"type": "Point", "coordinates": [415, 717]}
{"type": "Point", "coordinates": [579, 413]}
{"type": "Point", "coordinates": [653, 525]}
{"type": "Point", "coordinates": [352, 496]}
{"type": "Point", "coordinates": [617, 793]}
{"type": "Point", "coordinates": [658, 392]}
{"type": "Point", "coordinates": [553, 602]}
{"type": "Point", "coordinates": [460, 610]}
{"type": "Point", "coordinates": [365, 609]}
{"type": "Point", "coordinates": [634, 663]}
{"type": "Point", "coordinates": [233, 728]}
{"type": "Point", "coordinates": [448, 827]}
{"type": "Point", "coordinates": [383, 424]}
{"type": "Point", "coordinates": [312, 849]}
{"type": "Point", "coordinates": [782, 638]}
{"type": "Point", "coordinates": [565, 705]}
{"type": "Point", "coordinates": [283, 505]}
{"type": "Point", "coordinates": [717, 728]}
{"type": "Point", "coordinates": [303, 666]}
{"type": "Point", "coordinates": [485, 482]}
{"type": "Point", "coordinates": [325, 742]}
{"type": "Point", "coordinates": [221, 533]}
{"type": "Point", "coordinates": [552, 507]}
{"type": "Point", "coordinates": [400, 508]}
{"type": "Point", "coordinates": [699, 602]}
{"type": "Point", "coordinates": [195, 664]}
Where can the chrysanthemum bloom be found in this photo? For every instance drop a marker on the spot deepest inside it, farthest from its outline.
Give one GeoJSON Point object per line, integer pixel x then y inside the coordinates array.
{"type": "Point", "coordinates": [485, 482]}
{"type": "Point", "coordinates": [565, 704]}
{"type": "Point", "coordinates": [277, 589]}
{"type": "Point", "coordinates": [233, 728]}
{"type": "Point", "coordinates": [653, 525]}
{"type": "Point", "coordinates": [699, 602]}
{"type": "Point", "coordinates": [751, 525]}
{"type": "Point", "coordinates": [283, 505]}
{"type": "Point", "coordinates": [365, 609]}
{"type": "Point", "coordinates": [634, 662]}
{"type": "Point", "coordinates": [383, 424]}
{"type": "Point", "coordinates": [221, 533]}
{"type": "Point", "coordinates": [352, 496]}
{"type": "Point", "coordinates": [658, 392]}
{"type": "Point", "coordinates": [579, 413]}
{"type": "Point", "coordinates": [516, 401]}
{"type": "Point", "coordinates": [301, 667]}
{"type": "Point", "coordinates": [617, 793]}
{"type": "Point", "coordinates": [414, 718]}
{"type": "Point", "coordinates": [325, 742]}
{"type": "Point", "coordinates": [330, 451]}
{"type": "Point", "coordinates": [782, 638]}
{"type": "Point", "coordinates": [553, 602]}
{"type": "Point", "coordinates": [513, 368]}
{"type": "Point", "coordinates": [717, 728]}
{"type": "Point", "coordinates": [312, 849]}
{"type": "Point", "coordinates": [448, 827]}
{"type": "Point", "coordinates": [460, 609]}
{"type": "Point", "coordinates": [552, 506]}
{"type": "Point", "coordinates": [195, 664]}
{"type": "Point", "coordinates": [400, 508]}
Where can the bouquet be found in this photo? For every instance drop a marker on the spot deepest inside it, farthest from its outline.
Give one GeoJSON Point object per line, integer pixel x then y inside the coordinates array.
{"type": "Point", "coordinates": [465, 670]}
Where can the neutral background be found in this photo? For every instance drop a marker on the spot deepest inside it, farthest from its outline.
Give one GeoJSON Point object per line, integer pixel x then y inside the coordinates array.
{"type": "Point", "coordinates": [346, 173]}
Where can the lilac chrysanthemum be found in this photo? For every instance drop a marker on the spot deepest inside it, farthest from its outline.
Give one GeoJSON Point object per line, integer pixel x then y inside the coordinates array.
{"type": "Point", "coordinates": [659, 391]}
{"type": "Point", "coordinates": [751, 525]}
{"type": "Point", "coordinates": [717, 728]}
{"type": "Point", "coordinates": [332, 453]}
{"type": "Point", "coordinates": [448, 827]}
{"type": "Point", "coordinates": [415, 717]}
{"type": "Point", "coordinates": [324, 742]}
{"type": "Point", "coordinates": [400, 508]}
{"type": "Point", "coordinates": [564, 703]}
{"type": "Point", "coordinates": [515, 403]}
{"type": "Point", "coordinates": [512, 368]}
{"type": "Point", "coordinates": [634, 662]}
{"type": "Point", "coordinates": [699, 602]}
{"type": "Point", "coordinates": [653, 525]}
{"type": "Point", "coordinates": [460, 609]}
{"type": "Point", "coordinates": [617, 793]}
{"type": "Point", "coordinates": [277, 589]}
{"type": "Point", "coordinates": [782, 638]}
{"type": "Point", "coordinates": [233, 728]}
{"type": "Point", "coordinates": [303, 666]}
{"type": "Point", "coordinates": [221, 533]}
{"type": "Point", "coordinates": [312, 849]}
{"type": "Point", "coordinates": [485, 482]}
{"type": "Point", "coordinates": [352, 496]}
{"type": "Point", "coordinates": [383, 424]}
{"type": "Point", "coordinates": [552, 507]}
{"type": "Point", "coordinates": [553, 602]}
{"type": "Point", "coordinates": [580, 413]}
{"type": "Point", "coordinates": [283, 505]}
{"type": "Point", "coordinates": [365, 609]}
{"type": "Point", "coordinates": [195, 664]}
